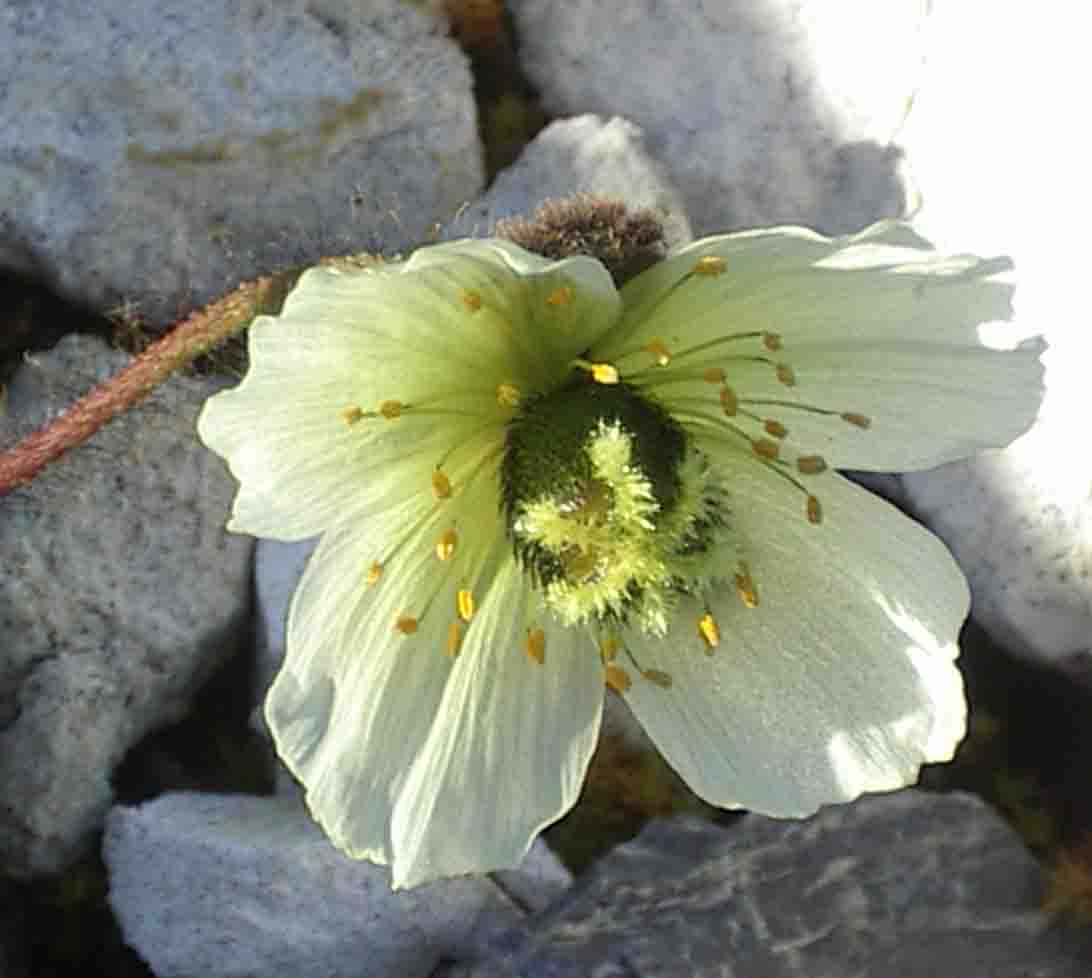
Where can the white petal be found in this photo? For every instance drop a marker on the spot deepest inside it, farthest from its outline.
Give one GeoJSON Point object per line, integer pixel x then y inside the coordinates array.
{"type": "Point", "coordinates": [445, 329]}
{"type": "Point", "coordinates": [876, 324]}
{"type": "Point", "coordinates": [559, 310]}
{"type": "Point", "coordinates": [509, 749]}
{"type": "Point", "coordinates": [355, 699]}
{"type": "Point", "coordinates": [841, 681]}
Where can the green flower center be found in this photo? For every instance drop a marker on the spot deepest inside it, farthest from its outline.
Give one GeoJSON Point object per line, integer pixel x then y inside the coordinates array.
{"type": "Point", "coordinates": [609, 508]}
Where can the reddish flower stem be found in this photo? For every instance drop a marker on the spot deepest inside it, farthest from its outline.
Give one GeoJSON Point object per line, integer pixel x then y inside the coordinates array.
{"type": "Point", "coordinates": [198, 333]}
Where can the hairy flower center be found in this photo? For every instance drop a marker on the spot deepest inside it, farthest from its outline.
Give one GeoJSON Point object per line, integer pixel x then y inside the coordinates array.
{"type": "Point", "coordinates": [609, 508]}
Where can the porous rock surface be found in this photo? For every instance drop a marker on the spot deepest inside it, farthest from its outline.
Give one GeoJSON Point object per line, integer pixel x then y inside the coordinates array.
{"type": "Point", "coordinates": [910, 885]}
{"type": "Point", "coordinates": [763, 113]}
{"type": "Point", "coordinates": [236, 886]}
{"type": "Point", "coordinates": [120, 592]}
{"type": "Point", "coordinates": [161, 153]}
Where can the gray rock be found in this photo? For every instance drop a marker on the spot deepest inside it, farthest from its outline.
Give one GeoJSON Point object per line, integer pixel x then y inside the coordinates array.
{"type": "Point", "coordinates": [1020, 525]}
{"type": "Point", "coordinates": [763, 113]}
{"type": "Point", "coordinates": [235, 886]}
{"type": "Point", "coordinates": [120, 592]}
{"type": "Point", "coordinates": [582, 155]}
{"type": "Point", "coordinates": [161, 153]}
{"type": "Point", "coordinates": [909, 885]}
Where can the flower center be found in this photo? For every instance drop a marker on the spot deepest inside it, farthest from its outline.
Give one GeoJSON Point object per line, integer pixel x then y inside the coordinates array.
{"type": "Point", "coordinates": [610, 509]}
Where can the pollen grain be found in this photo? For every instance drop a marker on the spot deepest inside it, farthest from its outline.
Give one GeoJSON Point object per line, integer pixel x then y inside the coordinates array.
{"type": "Point", "coordinates": [811, 464]}
{"type": "Point", "coordinates": [745, 586]}
{"type": "Point", "coordinates": [508, 395]}
{"type": "Point", "coordinates": [464, 604]}
{"type": "Point", "coordinates": [561, 296]}
{"type": "Point", "coordinates": [454, 637]}
{"type": "Point", "coordinates": [536, 645]}
{"type": "Point", "coordinates": [441, 484]}
{"type": "Point", "coordinates": [862, 421]}
{"type": "Point", "coordinates": [709, 631]}
{"type": "Point", "coordinates": [658, 677]}
{"type": "Point", "coordinates": [710, 266]}
{"type": "Point", "coordinates": [659, 350]}
{"type": "Point", "coordinates": [445, 546]}
{"type": "Point", "coordinates": [785, 375]}
{"type": "Point", "coordinates": [617, 678]}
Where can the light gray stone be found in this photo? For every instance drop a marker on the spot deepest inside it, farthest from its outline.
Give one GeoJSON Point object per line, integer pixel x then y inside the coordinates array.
{"type": "Point", "coordinates": [582, 155]}
{"type": "Point", "coordinates": [235, 886]}
{"type": "Point", "coordinates": [120, 592]}
{"type": "Point", "coordinates": [161, 153]}
{"type": "Point", "coordinates": [910, 885]}
{"type": "Point", "coordinates": [1021, 530]}
{"type": "Point", "coordinates": [764, 113]}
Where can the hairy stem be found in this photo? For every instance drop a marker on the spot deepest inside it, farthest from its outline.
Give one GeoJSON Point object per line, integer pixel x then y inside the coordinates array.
{"type": "Point", "coordinates": [195, 335]}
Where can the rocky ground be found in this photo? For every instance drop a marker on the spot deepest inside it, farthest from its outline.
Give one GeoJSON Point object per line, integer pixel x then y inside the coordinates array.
{"type": "Point", "coordinates": [155, 155]}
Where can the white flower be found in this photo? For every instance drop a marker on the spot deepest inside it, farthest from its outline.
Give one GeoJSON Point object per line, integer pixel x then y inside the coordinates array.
{"type": "Point", "coordinates": [531, 484]}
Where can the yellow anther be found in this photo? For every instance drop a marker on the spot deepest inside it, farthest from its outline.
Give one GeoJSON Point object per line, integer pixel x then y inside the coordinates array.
{"type": "Point", "coordinates": [772, 341]}
{"type": "Point", "coordinates": [406, 624]}
{"type": "Point", "coordinates": [604, 373]}
{"type": "Point", "coordinates": [659, 350]}
{"type": "Point", "coordinates": [708, 630]}
{"type": "Point", "coordinates": [764, 448]}
{"type": "Point", "coordinates": [710, 266]}
{"type": "Point", "coordinates": [811, 464]}
{"type": "Point", "coordinates": [454, 637]}
{"type": "Point", "coordinates": [729, 401]}
{"type": "Point", "coordinates": [391, 409]}
{"type": "Point", "coordinates": [617, 678]}
{"type": "Point", "coordinates": [785, 375]}
{"type": "Point", "coordinates": [857, 420]}
{"type": "Point", "coordinates": [471, 299]}
{"type": "Point", "coordinates": [374, 573]}
{"type": "Point", "coordinates": [464, 604]}
{"type": "Point", "coordinates": [662, 679]}
{"type": "Point", "coordinates": [775, 428]}
{"type": "Point", "coordinates": [441, 484]}
{"type": "Point", "coordinates": [507, 395]}
{"type": "Point", "coordinates": [536, 645]}
{"type": "Point", "coordinates": [714, 375]}
{"type": "Point", "coordinates": [351, 415]}
{"type": "Point", "coordinates": [445, 546]}
{"type": "Point", "coordinates": [561, 296]}
{"type": "Point", "coordinates": [745, 586]}
{"type": "Point", "coordinates": [815, 511]}
{"type": "Point", "coordinates": [608, 649]}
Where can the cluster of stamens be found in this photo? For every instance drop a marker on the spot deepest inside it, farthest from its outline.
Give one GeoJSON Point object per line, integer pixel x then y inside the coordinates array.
{"type": "Point", "coordinates": [760, 424]}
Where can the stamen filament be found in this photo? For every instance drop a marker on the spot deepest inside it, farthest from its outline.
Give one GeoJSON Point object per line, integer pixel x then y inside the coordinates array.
{"type": "Point", "coordinates": [659, 377]}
